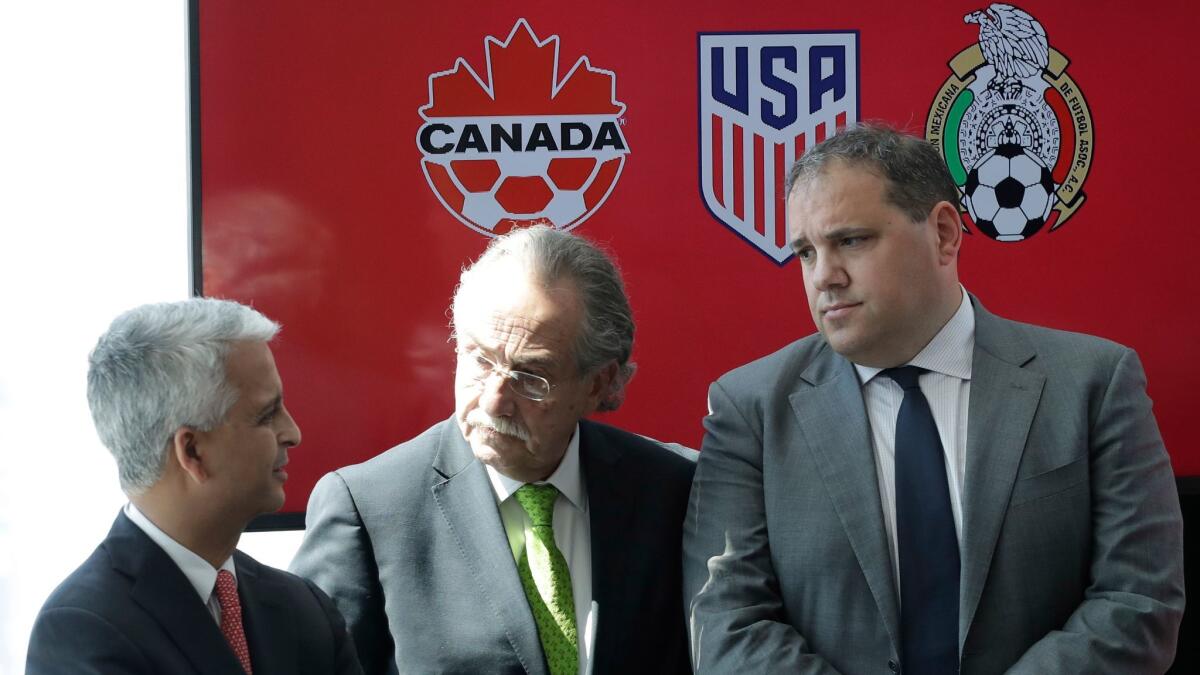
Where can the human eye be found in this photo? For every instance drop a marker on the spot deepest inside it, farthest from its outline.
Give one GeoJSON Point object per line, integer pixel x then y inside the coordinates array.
{"type": "Point", "coordinates": [529, 371]}
{"type": "Point", "coordinates": [472, 361]}
{"type": "Point", "coordinates": [853, 240]}
{"type": "Point", "coordinates": [805, 254]}
{"type": "Point", "coordinates": [268, 416]}
{"type": "Point", "coordinates": [531, 385]}
{"type": "Point", "coordinates": [480, 364]}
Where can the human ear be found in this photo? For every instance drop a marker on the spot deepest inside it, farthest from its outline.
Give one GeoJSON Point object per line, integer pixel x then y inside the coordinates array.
{"type": "Point", "coordinates": [601, 383]}
{"type": "Point", "coordinates": [185, 448]}
{"type": "Point", "coordinates": [948, 226]}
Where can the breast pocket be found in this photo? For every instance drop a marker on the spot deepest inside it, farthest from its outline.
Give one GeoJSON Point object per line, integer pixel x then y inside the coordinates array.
{"type": "Point", "coordinates": [1050, 483]}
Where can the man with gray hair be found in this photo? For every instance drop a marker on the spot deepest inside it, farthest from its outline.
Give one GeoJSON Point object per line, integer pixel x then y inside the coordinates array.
{"type": "Point", "coordinates": [922, 486]}
{"type": "Point", "coordinates": [516, 536]}
{"type": "Point", "coordinates": [187, 398]}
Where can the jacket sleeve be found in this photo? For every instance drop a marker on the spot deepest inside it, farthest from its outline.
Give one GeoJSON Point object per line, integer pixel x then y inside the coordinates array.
{"type": "Point", "coordinates": [338, 556]}
{"type": "Point", "coordinates": [1128, 621]}
{"type": "Point", "coordinates": [74, 641]}
{"type": "Point", "coordinates": [731, 594]}
{"type": "Point", "coordinates": [345, 657]}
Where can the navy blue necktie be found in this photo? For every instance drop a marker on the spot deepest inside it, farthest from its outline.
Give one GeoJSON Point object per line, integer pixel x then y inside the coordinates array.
{"type": "Point", "coordinates": [925, 537]}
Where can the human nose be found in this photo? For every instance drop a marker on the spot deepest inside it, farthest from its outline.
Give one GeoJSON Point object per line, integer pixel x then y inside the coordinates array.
{"type": "Point", "coordinates": [828, 272]}
{"type": "Point", "coordinates": [496, 397]}
{"type": "Point", "coordinates": [290, 434]}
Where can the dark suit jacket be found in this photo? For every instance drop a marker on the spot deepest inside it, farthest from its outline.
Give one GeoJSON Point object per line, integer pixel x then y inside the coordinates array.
{"type": "Point", "coordinates": [129, 609]}
{"type": "Point", "coordinates": [1072, 553]}
{"type": "Point", "coordinates": [411, 547]}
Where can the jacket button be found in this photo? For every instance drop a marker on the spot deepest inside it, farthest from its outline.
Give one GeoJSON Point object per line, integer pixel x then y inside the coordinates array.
{"type": "Point", "coordinates": [893, 666]}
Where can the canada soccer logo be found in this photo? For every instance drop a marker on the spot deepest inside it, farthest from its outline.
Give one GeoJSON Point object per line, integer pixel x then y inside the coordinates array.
{"type": "Point", "coordinates": [520, 146]}
{"type": "Point", "coordinates": [1014, 128]}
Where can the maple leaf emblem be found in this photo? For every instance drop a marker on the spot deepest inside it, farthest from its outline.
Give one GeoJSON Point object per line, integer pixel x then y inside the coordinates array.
{"type": "Point", "coordinates": [522, 79]}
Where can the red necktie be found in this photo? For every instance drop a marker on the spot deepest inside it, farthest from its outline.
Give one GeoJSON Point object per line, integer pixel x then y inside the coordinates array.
{"type": "Point", "coordinates": [231, 618]}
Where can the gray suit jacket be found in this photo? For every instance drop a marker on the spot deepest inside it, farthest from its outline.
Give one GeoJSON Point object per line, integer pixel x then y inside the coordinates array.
{"type": "Point", "coordinates": [1072, 552]}
{"type": "Point", "coordinates": [411, 548]}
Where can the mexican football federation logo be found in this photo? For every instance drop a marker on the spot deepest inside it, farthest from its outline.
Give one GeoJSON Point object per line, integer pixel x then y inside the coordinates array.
{"type": "Point", "coordinates": [521, 146]}
{"type": "Point", "coordinates": [764, 99]}
{"type": "Point", "coordinates": [1014, 128]}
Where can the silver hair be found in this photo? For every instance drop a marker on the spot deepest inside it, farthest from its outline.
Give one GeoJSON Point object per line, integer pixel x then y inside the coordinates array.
{"type": "Point", "coordinates": [159, 367]}
{"type": "Point", "coordinates": [916, 174]}
{"type": "Point", "coordinates": [550, 256]}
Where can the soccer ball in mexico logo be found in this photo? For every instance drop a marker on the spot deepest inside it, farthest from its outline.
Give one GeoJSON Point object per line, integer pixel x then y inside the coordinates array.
{"type": "Point", "coordinates": [1009, 193]}
{"type": "Point", "coordinates": [521, 146]}
{"type": "Point", "coordinates": [1012, 125]}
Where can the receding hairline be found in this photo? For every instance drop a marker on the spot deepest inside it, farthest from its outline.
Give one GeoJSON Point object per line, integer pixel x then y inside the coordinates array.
{"type": "Point", "coordinates": [483, 294]}
{"type": "Point", "coordinates": [822, 168]}
{"type": "Point", "coordinates": [862, 164]}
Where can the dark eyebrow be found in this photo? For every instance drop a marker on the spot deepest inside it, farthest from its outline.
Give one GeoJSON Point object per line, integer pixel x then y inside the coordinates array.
{"type": "Point", "coordinates": [534, 364]}
{"type": "Point", "coordinates": [833, 235]}
{"type": "Point", "coordinates": [843, 232]}
{"type": "Point", "coordinates": [524, 364]}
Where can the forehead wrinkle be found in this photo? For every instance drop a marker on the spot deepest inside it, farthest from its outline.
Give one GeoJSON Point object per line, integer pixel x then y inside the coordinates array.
{"type": "Point", "coordinates": [516, 318]}
{"type": "Point", "coordinates": [517, 338]}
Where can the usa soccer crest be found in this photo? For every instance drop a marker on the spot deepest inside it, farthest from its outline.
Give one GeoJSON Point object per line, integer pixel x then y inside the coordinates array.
{"type": "Point", "coordinates": [521, 144]}
{"type": "Point", "coordinates": [764, 99]}
{"type": "Point", "coordinates": [1014, 128]}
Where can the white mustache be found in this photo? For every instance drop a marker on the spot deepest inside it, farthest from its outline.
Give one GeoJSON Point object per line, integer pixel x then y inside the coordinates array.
{"type": "Point", "coordinates": [501, 425]}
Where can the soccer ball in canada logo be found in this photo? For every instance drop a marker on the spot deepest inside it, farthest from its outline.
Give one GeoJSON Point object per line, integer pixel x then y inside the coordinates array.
{"type": "Point", "coordinates": [521, 146]}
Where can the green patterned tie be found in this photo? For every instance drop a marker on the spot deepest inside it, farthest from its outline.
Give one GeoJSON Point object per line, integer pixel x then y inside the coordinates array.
{"type": "Point", "coordinates": [547, 582]}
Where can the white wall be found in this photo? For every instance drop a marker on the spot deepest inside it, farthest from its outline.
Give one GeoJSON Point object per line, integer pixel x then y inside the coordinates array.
{"type": "Point", "coordinates": [93, 220]}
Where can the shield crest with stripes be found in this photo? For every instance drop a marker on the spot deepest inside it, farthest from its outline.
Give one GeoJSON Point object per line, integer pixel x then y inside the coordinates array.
{"type": "Point", "coordinates": [764, 99]}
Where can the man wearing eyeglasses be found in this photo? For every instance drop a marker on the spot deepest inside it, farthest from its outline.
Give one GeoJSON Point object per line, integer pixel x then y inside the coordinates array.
{"type": "Point", "coordinates": [516, 536]}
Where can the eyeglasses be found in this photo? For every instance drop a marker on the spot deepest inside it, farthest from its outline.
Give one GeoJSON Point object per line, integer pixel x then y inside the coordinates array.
{"type": "Point", "coordinates": [479, 368]}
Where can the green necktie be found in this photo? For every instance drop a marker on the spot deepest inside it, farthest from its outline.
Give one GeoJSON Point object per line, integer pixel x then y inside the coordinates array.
{"type": "Point", "coordinates": [547, 582]}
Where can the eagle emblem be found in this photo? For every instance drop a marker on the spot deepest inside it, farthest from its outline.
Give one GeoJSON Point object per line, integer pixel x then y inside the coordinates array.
{"type": "Point", "coordinates": [1012, 41]}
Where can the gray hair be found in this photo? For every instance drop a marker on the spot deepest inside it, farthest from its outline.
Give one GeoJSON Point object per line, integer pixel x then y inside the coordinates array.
{"type": "Point", "coordinates": [916, 174]}
{"type": "Point", "coordinates": [160, 367]}
{"type": "Point", "coordinates": [550, 256]}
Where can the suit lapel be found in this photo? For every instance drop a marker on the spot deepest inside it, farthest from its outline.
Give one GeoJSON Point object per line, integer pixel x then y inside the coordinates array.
{"type": "Point", "coordinates": [270, 630]}
{"type": "Point", "coordinates": [467, 502]}
{"type": "Point", "coordinates": [161, 589]}
{"type": "Point", "coordinates": [1004, 398]}
{"type": "Point", "coordinates": [832, 416]}
{"type": "Point", "coordinates": [610, 512]}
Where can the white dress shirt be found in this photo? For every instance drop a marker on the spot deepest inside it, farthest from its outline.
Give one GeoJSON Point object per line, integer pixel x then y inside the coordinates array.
{"type": "Point", "coordinates": [202, 575]}
{"type": "Point", "coordinates": [572, 535]}
{"type": "Point", "coordinates": [947, 387]}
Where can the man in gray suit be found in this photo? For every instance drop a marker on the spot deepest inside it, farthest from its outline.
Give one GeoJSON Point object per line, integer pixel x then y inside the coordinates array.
{"type": "Point", "coordinates": [923, 486]}
{"type": "Point", "coordinates": [516, 537]}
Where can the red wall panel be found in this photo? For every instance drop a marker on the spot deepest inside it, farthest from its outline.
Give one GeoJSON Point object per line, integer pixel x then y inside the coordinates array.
{"type": "Point", "coordinates": [315, 206]}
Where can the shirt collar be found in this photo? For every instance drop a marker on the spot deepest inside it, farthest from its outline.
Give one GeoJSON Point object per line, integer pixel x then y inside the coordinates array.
{"type": "Point", "coordinates": [949, 352]}
{"type": "Point", "coordinates": [198, 571]}
{"type": "Point", "coordinates": [567, 478]}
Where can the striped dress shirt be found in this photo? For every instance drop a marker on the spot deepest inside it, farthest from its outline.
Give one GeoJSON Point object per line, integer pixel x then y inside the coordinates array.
{"type": "Point", "coordinates": [947, 387]}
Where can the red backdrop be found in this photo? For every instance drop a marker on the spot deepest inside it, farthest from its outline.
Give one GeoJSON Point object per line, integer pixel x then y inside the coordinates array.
{"type": "Point", "coordinates": [316, 208]}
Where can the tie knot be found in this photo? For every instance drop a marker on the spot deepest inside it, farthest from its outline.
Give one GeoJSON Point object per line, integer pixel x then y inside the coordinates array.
{"type": "Point", "coordinates": [905, 376]}
{"type": "Point", "coordinates": [538, 502]}
{"type": "Point", "coordinates": [226, 587]}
